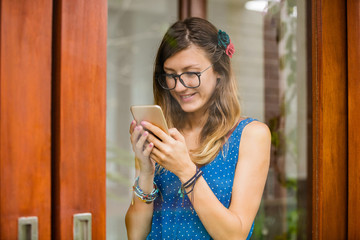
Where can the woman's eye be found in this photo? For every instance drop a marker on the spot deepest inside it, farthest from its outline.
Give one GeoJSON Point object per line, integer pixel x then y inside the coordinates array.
{"type": "Point", "coordinates": [190, 75]}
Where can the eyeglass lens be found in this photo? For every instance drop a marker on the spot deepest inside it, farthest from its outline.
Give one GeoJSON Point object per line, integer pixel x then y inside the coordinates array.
{"type": "Point", "coordinates": [190, 80]}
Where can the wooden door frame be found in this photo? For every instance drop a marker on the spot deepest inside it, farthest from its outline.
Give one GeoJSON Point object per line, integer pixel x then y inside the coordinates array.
{"type": "Point", "coordinates": [192, 8]}
{"type": "Point", "coordinates": [79, 116]}
{"type": "Point", "coordinates": [353, 33]}
{"type": "Point", "coordinates": [25, 117]}
{"type": "Point", "coordinates": [329, 101]}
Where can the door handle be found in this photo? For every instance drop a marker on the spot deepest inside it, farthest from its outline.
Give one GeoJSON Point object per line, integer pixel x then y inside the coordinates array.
{"type": "Point", "coordinates": [28, 228]}
{"type": "Point", "coordinates": [82, 226]}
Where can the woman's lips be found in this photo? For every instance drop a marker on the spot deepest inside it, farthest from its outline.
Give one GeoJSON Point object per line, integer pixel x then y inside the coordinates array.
{"type": "Point", "coordinates": [187, 97]}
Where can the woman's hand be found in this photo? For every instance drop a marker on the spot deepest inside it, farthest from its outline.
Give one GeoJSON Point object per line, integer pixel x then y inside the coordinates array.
{"type": "Point", "coordinates": [142, 148]}
{"type": "Point", "coordinates": [170, 151]}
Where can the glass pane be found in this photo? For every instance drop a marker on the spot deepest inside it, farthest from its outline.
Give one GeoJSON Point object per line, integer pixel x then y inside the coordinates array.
{"type": "Point", "coordinates": [270, 65]}
{"type": "Point", "coordinates": [135, 29]}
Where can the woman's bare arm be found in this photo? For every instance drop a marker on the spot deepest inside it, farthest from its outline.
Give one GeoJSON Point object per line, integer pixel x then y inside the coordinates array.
{"type": "Point", "coordinates": [139, 215]}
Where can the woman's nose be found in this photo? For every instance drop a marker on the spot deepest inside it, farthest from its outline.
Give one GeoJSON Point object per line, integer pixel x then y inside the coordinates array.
{"type": "Point", "coordinates": [179, 86]}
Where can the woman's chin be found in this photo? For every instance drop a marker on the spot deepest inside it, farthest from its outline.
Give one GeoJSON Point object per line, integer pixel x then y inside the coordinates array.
{"type": "Point", "coordinates": [190, 108]}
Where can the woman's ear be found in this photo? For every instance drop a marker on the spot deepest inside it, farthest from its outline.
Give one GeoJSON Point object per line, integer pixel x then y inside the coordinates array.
{"type": "Point", "coordinates": [218, 77]}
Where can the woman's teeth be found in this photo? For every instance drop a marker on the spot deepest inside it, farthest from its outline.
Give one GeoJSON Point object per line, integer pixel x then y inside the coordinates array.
{"type": "Point", "coordinates": [187, 96]}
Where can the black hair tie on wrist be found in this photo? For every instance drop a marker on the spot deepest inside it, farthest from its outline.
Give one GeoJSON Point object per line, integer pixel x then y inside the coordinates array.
{"type": "Point", "coordinates": [190, 183]}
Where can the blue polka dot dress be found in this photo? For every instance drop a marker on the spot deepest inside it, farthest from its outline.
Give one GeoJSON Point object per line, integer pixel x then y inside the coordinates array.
{"type": "Point", "coordinates": [174, 216]}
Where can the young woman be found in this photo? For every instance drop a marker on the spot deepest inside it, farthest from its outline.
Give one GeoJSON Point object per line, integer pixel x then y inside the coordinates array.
{"type": "Point", "coordinates": [206, 178]}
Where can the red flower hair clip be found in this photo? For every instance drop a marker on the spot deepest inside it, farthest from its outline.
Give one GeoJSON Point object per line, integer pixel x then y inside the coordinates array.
{"type": "Point", "coordinates": [230, 49]}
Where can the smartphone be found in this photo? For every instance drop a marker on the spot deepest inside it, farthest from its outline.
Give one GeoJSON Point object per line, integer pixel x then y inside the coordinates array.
{"type": "Point", "coordinates": [150, 113]}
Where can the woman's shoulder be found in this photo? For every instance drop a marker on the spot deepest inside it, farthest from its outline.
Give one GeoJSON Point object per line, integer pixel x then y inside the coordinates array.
{"type": "Point", "coordinates": [256, 133]}
{"type": "Point", "coordinates": [255, 143]}
{"type": "Point", "coordinates": [255, 129]}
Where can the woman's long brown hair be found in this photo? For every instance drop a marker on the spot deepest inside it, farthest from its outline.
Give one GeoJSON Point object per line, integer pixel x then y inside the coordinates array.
{"type": "Point", "coordinates": [223, 106]}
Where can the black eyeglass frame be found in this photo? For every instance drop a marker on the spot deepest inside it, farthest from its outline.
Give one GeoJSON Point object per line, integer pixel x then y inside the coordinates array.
{"type": "Point", "coordinates": [175, 76]}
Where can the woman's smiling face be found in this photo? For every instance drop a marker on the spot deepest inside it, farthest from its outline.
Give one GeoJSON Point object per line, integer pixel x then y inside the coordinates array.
{"type": "Point", "coordinates": [192, 59]}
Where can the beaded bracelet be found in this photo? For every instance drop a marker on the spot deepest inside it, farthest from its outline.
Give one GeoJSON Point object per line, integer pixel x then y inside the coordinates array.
{"type": "Point", "coordinates": [145, 197]}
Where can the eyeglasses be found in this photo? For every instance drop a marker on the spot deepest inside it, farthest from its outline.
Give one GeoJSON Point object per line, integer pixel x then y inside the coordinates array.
{"type": "Point", "coordinates": [187, 79]}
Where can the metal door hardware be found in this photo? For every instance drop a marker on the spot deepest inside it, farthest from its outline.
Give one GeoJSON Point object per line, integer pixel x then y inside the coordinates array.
{"type": "Point", "coordinates": [82, 226]}
{"type": "Point", "coordinates": [28, 228]}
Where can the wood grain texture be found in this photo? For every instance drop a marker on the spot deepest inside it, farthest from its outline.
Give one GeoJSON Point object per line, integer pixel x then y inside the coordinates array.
{"type": "Point", "coordinates": [25, 132]}
{"type": "Point", "coordinates": [79, 112]}
{"type": "Point", "coordinates": [330, 119]}
{"type": "Point", "coordinates": [353, 29]}
{"type": "Point", "coordinates": [192, 8]}
{"type": "Point", "coordinates": [184, 6]}
{"type": "Point", "coordinates": [198, 8]}
{"type": "Point", "coordinates": [310, 122]}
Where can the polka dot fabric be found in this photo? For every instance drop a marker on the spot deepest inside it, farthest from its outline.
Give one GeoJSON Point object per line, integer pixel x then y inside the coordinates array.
{"type": "Point", "coordinates": [174, 216]}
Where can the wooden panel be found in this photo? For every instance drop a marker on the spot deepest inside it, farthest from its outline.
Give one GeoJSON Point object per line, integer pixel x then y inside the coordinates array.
{"type": "Point", "coordinates": [310, 118]}
{"type": "Point", "coordinates": [79, 115]}
{"type": "Point", "coordinates": [184, 6]}
{"type": "Point", "coordinates": [192, 8]}
{"type": "Point", "coordinates": [25, 142]}
{"type": "Point", "coordinates": [353, 12]}
{"type": "Point", "coordinates": [330, 120]}
{"type": "Point", "coordinates": [198, 8]}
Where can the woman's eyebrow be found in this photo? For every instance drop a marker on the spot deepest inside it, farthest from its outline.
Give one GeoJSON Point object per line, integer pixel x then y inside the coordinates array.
{"type": "Point", "coordinates": [183, 69]}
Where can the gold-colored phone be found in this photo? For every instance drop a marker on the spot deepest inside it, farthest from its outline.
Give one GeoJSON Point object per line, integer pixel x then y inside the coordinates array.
{"type": "Point", "coordinates": [149, 113]}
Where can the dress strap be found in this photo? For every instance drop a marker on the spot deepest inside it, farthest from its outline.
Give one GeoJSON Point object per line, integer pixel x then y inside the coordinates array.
{"type": "Point", "coordinates": [233, 129]}
{"type": "Point", "coordinates": [245, 121]}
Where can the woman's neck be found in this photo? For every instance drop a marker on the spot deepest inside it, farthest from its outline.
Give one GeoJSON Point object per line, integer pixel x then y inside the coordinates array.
{"type": "Point", "coordinates": [192, 128]}
{"type": "Point", "coordinates": [195, 121]}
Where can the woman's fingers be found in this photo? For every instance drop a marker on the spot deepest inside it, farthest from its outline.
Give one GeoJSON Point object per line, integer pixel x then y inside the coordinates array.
{"type": "Point", "coordinates": [174, 133]}
{"type": "Point", "coordinates": [148, 149]}
{"type": "Point", "coordinates": [155, 130]}
{"type": "Point", "coordinates": [158, 143]}
{"type": "Point", "coordinates": [137, 136]}
{"type": "Point", "coordinates": [141, 142]}
{"type": "Point", "coordinates": [154, 158]}
{"type": "Point", "coordinates": [157, 155]}
{"type": "Point", "coordinates": [133, 137]}
{"type": "Point", "coordinates": [132, 126]}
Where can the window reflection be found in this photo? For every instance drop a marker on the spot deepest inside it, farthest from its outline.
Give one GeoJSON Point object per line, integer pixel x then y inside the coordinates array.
{"type": "Point", "coordinates": [270, 65]}
{"type": "Point", "coordinates": [135, 28]}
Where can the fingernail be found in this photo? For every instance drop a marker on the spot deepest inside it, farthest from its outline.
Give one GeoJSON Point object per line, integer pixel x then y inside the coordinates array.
{"type": "Point", "coordinates": [143, 123]}
{"type": "Point", "coordinates": [151, 145]}
{"type": "Point", "coordinates": [137, 128]}
{"type": "Point", "coordinates": [145, 133]}
{"type": "Point", "coordinates": [133, 122]}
